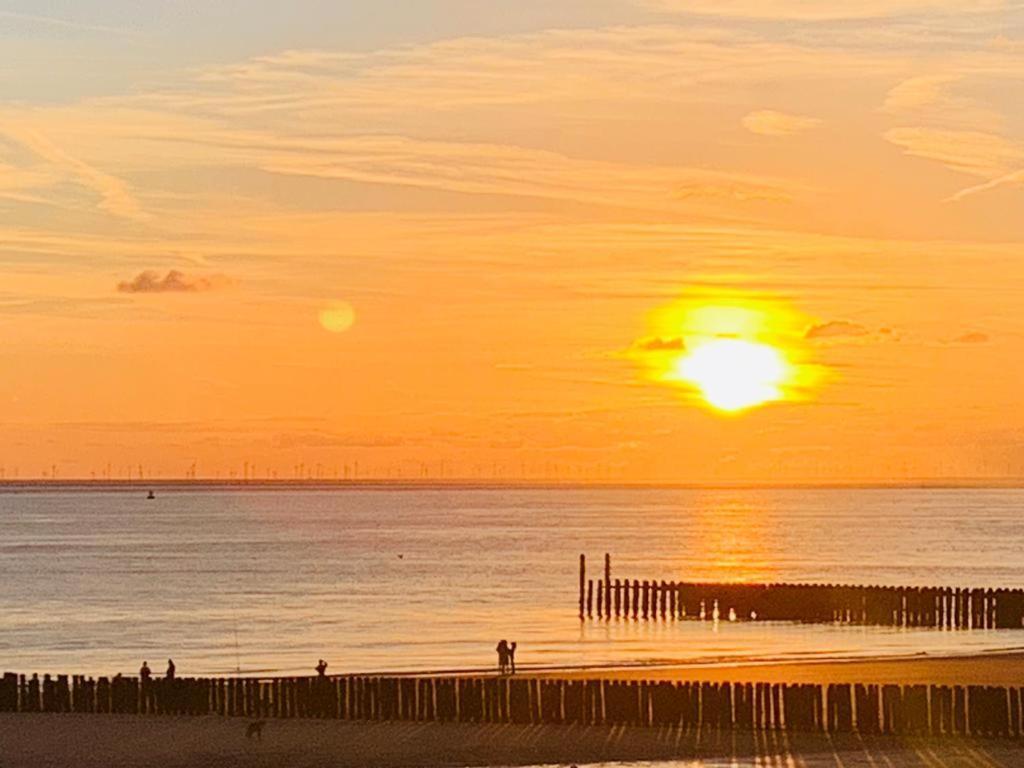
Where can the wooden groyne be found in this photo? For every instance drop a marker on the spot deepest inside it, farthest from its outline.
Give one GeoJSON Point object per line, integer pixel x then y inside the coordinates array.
{"type": "Point", "coordinates": [936, 607]}
{"type": "Point", "coordinates": [935, 710]}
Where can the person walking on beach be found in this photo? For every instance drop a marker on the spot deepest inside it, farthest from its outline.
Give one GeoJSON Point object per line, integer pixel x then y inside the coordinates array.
{"type": "Point", "coordinates": [512, 657]}
{"type": "Point", "coordinates": [144, 672]}
{"type": "Point", "coordinates": [502, 650]}
{"type": "Point", "coordinates": [321, 668]}
{"type": "Point", "coordinates": [170, 669]}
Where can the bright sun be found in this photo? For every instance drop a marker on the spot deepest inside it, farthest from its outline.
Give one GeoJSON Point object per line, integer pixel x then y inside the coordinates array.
{"type": "Point", "coordinates": [731, 354]}
{"type": "Point", "coordinates": [733, 374]}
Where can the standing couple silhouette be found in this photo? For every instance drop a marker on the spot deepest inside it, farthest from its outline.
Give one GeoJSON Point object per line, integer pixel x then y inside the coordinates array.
{"type": "Point", "coordinates": [506, 657]}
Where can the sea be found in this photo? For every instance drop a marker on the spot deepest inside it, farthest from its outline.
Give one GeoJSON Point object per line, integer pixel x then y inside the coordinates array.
{"type": "Point", "coordinates": [260, 581]}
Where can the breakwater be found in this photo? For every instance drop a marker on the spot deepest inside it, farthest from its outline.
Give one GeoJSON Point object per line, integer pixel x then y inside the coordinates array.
{"type": "Point", "coordinates": [934, 607]}
{"type": "Point", "coordinates": [936, 710]}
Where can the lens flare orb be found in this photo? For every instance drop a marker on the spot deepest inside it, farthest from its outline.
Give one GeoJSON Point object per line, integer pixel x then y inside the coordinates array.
{"type": "Point", "coordinates": [338, 317]}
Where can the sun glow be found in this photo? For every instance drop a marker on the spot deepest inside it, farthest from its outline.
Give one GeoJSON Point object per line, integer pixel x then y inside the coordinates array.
{"type": "Point", "coordinates": [732, 354]}
{"type": "Point", "coordinates": [733, 374]}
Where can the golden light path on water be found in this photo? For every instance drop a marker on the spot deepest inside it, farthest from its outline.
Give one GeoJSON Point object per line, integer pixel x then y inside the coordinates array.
{"type": "Point", "coordinates": [730, 353]}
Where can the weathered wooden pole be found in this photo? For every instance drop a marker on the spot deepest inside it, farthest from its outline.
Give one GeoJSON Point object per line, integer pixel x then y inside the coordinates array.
{"type": "Point", "coordinates": [607, 584]}
{"type": "Point", "coordinates": [583, 582]}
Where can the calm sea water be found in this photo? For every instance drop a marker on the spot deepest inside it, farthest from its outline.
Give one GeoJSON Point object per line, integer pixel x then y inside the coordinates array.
{"type": "Point", "coordinates": [430, 579]}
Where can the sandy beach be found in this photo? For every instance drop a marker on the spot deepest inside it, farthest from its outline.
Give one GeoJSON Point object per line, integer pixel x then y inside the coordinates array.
{"type": "Point", "coordinates": [114, 741]}
{"type": "Point", "coordinates": [122, 741]}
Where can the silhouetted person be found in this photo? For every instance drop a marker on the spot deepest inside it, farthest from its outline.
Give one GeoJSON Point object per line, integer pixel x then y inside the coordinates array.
{"type": "Point", "coordinates": [512, 657]}
{"type": "Point", "coordinates": [170, 669]}
{"type": "Point", "coordinates": [502, 650]}
{"type": "Point", "coordinates": [144, 672]}
{"type": "Point", "coordinates": [321, 668]}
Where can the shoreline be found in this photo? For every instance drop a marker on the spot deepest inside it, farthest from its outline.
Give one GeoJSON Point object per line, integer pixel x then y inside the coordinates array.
{"type": "Point", "coordinates": [1003, 667]}
{"type": "Point", "coordinates": [711, 668]}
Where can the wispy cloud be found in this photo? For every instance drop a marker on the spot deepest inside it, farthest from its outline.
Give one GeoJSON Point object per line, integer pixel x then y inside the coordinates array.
{"type": "Point", "coordinates": [973, 152]}
{"type": "Point", "coordinates": [299, 440]}
{"type": "Point", "coordinates": [768, 122]}
{"type": "Point", "coordinates": [462, 166]}
{"type": "Point", "coordinates": [1012, 179]}
{"type": "Point", "coordinates": [919, 91]}
{"type": "Point", "coordinates": [115, 195]}
{"type": "Point", "coordinates": [820, 10]}
{"type": "Point", "coordinates": [943, 101]}
{"type": "Point", "coordinates": [564, 67]}
{"type": "Point", "coordinates": [63, 23]}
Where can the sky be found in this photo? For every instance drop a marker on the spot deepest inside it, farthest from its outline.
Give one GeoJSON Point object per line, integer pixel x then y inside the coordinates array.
{"type": "Point", "coordinates": [446, 238]}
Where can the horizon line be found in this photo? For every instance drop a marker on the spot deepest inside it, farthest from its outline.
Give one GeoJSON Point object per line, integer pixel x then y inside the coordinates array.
{"type": "Point", "coordinates": [183, 483]}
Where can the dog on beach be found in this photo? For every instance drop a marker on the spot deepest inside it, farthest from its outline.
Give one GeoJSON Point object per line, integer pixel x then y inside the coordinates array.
{"type": "Point", "coordinates": [255, 729]}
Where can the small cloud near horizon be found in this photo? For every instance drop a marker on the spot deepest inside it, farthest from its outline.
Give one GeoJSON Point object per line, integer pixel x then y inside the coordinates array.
{"type": "Point", "coordinates": [768, 122]}
{"type": "Point", "coordinates": [660, 344]}
{"type": "Point", "coordinates": [174, 281]}
{"type": "Point", "coordinates": [973, 337]}
{"type": "Point", "coordinates": [837, 329]}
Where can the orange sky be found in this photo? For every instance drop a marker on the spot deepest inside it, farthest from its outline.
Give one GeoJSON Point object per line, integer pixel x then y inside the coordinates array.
{"type": "Point", "coordinates": [502, 209]}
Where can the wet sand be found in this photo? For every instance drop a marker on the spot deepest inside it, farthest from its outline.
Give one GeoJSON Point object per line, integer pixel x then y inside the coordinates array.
{"type": "Point", "coordinates": [127, 741]}
{"type": "Point", "coordinates": [981, 669]}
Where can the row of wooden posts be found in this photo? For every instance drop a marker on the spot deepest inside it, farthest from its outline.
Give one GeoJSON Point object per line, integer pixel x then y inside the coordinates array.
{"type": "Point", "coordinates": [836, 708]}
{"type": "Point", "coordinates": [936, 607]}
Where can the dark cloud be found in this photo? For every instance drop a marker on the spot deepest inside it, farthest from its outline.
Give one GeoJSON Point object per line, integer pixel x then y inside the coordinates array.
{"type": "Point", "coordinates": [974, 337]}
{"type": "Point", "coordinates": [659, 344]}
{"type": "Point", "coordinates": [174, 281]}
{"type": "Point", "coordinates": [836, 329]}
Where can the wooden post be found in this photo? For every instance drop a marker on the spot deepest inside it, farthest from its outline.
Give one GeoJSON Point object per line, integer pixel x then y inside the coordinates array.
{"type": "Point", "coordinates": [590, 597]}
{"type": "Point", "coordinates": [48, 694]}
{"type": "Point", "coordinates": [583, 581]}
{"type": "Point", "coordinates": [607, 584]}
{"type": "Point", "coordinates": [9, 693]}
{"type": "Point", "coordinates": [33, 695]}
{"type": "Point", "coordinates": [64, 695]}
